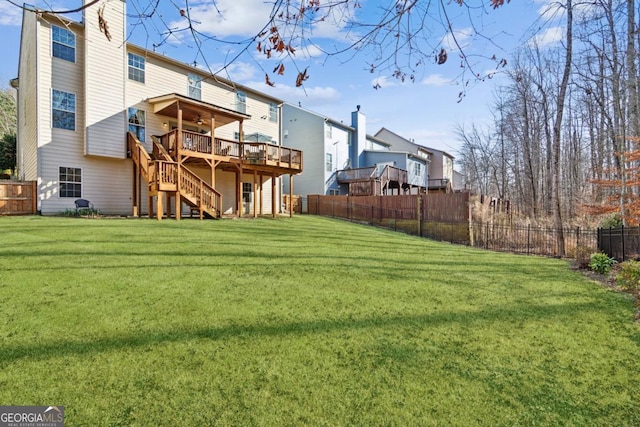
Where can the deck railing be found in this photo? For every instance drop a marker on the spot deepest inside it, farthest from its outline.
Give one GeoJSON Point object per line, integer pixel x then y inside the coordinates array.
{"type": "Point", "coordinates": [392, 173]}
{"type": "Point", "coordinates": [250, 152]}
{"type": "Point", "coordinates": [139, 155]}
{"type": "Point", "coordinates": [358, 174]}
{"type": "Point", "coordinates": [227, 148]}
{"type": "Point", "coordinates": [166, 172]}
{"type": "Point", "coordinates": [203, 193]}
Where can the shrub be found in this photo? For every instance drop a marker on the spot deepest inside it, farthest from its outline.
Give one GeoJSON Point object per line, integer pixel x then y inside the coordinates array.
{"type": "Point", "coordinates": [582, 255]}
{"type": "Point", "coordinates": [611, 221]}
{"type": "Point", "coordinates": [601, 263]}
{"type": "Point", "coordinates": [628, 278]}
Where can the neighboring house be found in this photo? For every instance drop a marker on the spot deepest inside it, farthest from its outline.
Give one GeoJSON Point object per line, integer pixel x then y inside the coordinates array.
{"type": "Point", "coordinates": [344, 159]}
{"type": "Point", "coordinates": [108, 121]}
{"type": "Point", "coordinates": [458, 181]}
{"type": "Point", "coordinates": [440, 175]}
{"type": "Point", "coordinates": [327, 145]}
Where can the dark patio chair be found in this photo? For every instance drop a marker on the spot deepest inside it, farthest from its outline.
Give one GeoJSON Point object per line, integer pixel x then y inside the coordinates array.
{"type": "Point", "coordinates": [83, 205]}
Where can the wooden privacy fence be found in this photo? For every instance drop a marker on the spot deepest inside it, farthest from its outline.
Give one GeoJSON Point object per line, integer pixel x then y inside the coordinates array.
{"type": "Point", "coordinates": [438, 216]}
{"type": "Point", "coordinates": [18, 198]}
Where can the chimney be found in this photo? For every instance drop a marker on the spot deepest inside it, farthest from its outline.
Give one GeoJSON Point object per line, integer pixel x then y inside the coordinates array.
{"type": "Point", "coordinates": [358, 144]}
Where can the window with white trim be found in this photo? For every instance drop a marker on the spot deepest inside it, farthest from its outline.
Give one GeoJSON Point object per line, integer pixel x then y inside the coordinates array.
{"type": "Point", "coordinates": [70, 182]}
{"type": "Point", "coordinates": [241, 102]}
{"type": "Point", "coordinates": [328, 130]}
{"type": "Point", "coordinates": [136, 67]}
{"type": "Point", "coordinates": [195, 86]}
{"type": "Point", "coordinates": [329, 162]}
{"type": "Point", "coordinates": [137, 123]}
{"type": "Point", "coordinates": [63, 110]}
{"type": "Point", "coordinates": [63, 43]}
{"type": "Point", "coordinates": [417, 169]}
{"type": "Point", "coordinates": [273, 112]}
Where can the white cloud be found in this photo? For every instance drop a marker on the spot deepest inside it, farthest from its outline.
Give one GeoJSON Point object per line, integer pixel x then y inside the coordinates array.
{"type": "Point", "coordinates": [436, 80]}
{"type": "Point", "coordinates": [230, 18]}
{"type": "Point", "coordinates": [309, 97]}
{"type": "Point", "coordinates": [238, 71]}
{"type": "Point", "coordinates": [10, 14]}
{"type": "Point", "coordinates": [548, 37]}
{"type": "Point", "coordinates": [550, 9]}
{"type": "Point", "coordinates": [383, 82]}
{"type": "Point", "coordinates": [460, 37]}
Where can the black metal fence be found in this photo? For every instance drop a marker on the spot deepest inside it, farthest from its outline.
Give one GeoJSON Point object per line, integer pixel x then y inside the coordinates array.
{"type": "Point", "coordinates": [621, 243]}
{"type": "Point", "coordinates": [530, 240]}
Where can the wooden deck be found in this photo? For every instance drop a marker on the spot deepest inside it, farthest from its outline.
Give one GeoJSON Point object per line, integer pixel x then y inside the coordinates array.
{"type": "Point", "coordinates": [370, 181]}
{"type": "Point", "coordinates": [177, 154]}
{"type": "Point", "coordinates": [251, 155]}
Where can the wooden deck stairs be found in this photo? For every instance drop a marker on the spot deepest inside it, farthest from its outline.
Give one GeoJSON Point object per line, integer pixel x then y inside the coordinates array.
{"type": "Point", "coordinates": [164, 175]}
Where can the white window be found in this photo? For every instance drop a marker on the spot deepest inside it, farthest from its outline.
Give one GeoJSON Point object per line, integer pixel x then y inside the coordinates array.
{"type": "Point", "coordinates": [64, 43]}
{"type": "Point", "coordinates": [328, 130]}
{"type": "Point", "coordinates": [70, 182]}
{"type": "Point", "coordinates": [137, 123]}
{"type": "Point", "coordinates": [63, 105]}
{"type": "Point", "coordinates": [195, 86]}
{"type": "Point", "coordinates": [241, 102]}
{"type": "Point", "coordinates": [273, 112]}
{"type": "Point", "coordinates": [334, 192]}
{"type": "Point", "coordinates": [329, 162]}
{"type": "Point", "coordinates": [417, 169]}
{"type": "Point", "coordinates": [136, 67]}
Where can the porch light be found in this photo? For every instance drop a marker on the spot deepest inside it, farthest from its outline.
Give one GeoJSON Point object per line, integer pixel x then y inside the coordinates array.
{"type": "Point", "coordinates": [165, 124]}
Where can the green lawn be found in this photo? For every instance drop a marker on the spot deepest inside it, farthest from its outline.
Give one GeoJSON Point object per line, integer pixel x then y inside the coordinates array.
{"type": "Point", "coordinates": [303, 321]}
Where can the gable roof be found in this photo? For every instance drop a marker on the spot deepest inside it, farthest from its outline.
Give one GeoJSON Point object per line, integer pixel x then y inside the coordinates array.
{"type": "Point", "coordinates": [419, 146]}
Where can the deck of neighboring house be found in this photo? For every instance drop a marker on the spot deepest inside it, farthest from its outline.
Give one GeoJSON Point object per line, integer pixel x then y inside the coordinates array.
{"type": "Point", "coordinates": [373, 180]}
{"type": "Point", "coordinates": [169, 169]}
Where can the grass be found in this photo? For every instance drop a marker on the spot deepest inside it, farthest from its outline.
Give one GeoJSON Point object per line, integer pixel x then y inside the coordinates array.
{"type": "Point", "coordinates": [303, 321]}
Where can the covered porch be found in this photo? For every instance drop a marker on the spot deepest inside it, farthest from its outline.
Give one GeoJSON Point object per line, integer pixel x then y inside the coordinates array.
{"type": "Point", "coordinates": [257, 162]}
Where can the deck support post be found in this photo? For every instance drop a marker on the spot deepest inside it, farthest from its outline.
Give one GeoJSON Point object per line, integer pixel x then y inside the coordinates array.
{"type": "Point", "coordinates": [179, 159]}
{"type": "Point", "coordinates": [273, 195]}
{"type": "Point", "coordinates": [134, 199]}
{"type": "Point", "coordinates": [260, 190]}
{"type": "Point", "coordinates": [178, 206]}
{"type": "Point", "coordinates": [159, 208]}
{"type": "Point", "coordinates": [239, 191]}
{"type": "Point", "coordinates": [255, 193]}
{"type": "Point", "coordinates": [290, 195]}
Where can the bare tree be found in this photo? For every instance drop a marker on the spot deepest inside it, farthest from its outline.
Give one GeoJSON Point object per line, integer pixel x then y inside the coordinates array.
{"type": "Point", "coordinates": [400, 38]}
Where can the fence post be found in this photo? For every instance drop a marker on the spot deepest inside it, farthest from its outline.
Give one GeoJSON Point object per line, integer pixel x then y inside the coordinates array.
{"type": "Point", "coordinates": [528, 238]}
{"type": "Point", "coordinates": [486, 241]}
{"type": "Point", "coordinates": [419, 215]}
{"type": "Point", "coordinates": [623, 251]}
{"type": "Point", "coordinates": [577, 239]}
{"type": "Point", "coordinates": [610, 247]}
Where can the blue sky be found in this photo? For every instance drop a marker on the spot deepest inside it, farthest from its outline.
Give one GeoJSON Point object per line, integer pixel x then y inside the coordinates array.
{"type": "Point", "coordinates": [426, 110]}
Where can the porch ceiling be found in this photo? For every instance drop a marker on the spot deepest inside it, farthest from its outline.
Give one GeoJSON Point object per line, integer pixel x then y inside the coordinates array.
{"type": "Point", "coordinates": [193, 109]}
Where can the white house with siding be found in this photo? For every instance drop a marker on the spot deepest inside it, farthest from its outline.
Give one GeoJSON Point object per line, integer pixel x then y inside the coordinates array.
{"type": "Point", "coordinates": [107, 121]}
{"type": "Point", "coordinates": [441, 174]}
{"type": "Point", "coordinates": [344, 159]}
